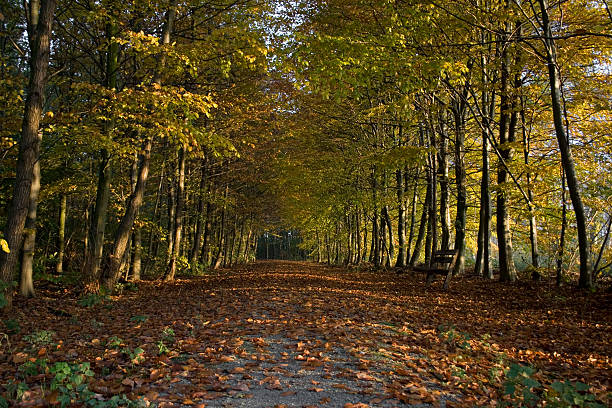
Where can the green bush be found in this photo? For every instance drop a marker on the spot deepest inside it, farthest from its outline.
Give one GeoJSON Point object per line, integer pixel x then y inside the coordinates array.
{"type": "Point", "coordinates": [568, 394]}
{"type": "Point", "coordinates": [524, 391]}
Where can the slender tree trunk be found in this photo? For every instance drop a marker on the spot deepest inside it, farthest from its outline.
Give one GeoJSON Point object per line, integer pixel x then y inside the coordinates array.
{"type": "Point", "coordinates": [240, 241]}
{"type": "Point", "coordinates": [93, 259]}
{"type": "Point", "coordinates": [423, 225]}
{"type": "Point", "coordinates": [221, 240]}
{"type": "Point", "coordinates": [358, 235]}
{"type": "Point", "coordinates": [401, 221]}
{"type": "Point", "coordinates": [197, 241]}
{"type": "Point", "coordinates": [507, 270]}
{"type": "Point", "coordinates": [206, 238]}
{"type": "Point", "coordinates": [567, 159]}
{"type": "Point", "coordinates": [337, 245]}
{"type": "Point", "coordinates": [460, 218]}
{"type": "Point", "coordinates": [375, 251]}
{"type": "Point", "coordinates": [432, 243]}
{"type": "Point", "coordinates": [375, 226]}
{"type": "Point", "coordinates": [61, 241]}
{"type": "Point", "coordinates": [533, 229]}
{"type": "Point", "coordinates": [483, 257]}
{"type": "Point", "coordinates": [92, 265]}
{"type": "Point", "coordinates": [229, 259]}
{"type": "Point", "coordinates": [26, 285]}
{"type": "Point", "coordinates": [445, 217]}
{"type": "Point", "coordinates": [29, 145]}
{"type": "Point", "coordinates": [248, 245]}
{"type": "Point", "coordinates": [153, 246]}
{"type": "Point", "coordinates": [178, 217]}
{"type": "Point", "coordinates": [561, 249]}
{"type": "Point", "coordinates": [171, 206]}
{"type": "Point", "coordinates": [137, 254]}
{"type": "Point", "coordinates": [364, 255]}
{"type": "Point", "coordinates": [86, 232]}
{"type": "Point", "coordinates": [391, 245]}
{"type": "Point", "coordinates": [602, 248]}
{"type": "Point", "coordinates": [413, 205]}
{"type": "Point", "coordinates": [113, 265]}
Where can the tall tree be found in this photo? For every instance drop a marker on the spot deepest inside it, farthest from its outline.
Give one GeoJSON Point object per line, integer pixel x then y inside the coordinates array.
{"type": "Point", "coordinates": [40, 19]}
{"type": "Point", "coordinates": [567, 160]}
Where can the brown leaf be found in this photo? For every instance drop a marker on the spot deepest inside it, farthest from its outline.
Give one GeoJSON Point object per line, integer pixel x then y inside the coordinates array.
{"type": "Point", "coordinates": [287, 393]}
{"type": "Point", "coordinates": [20, 358]}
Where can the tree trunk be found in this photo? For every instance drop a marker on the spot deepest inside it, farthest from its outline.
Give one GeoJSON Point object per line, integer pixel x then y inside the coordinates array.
{"type": "Point", "coordinates": [390, 245]}
{"type": "Point", "coordinates": [445, 217]}
{"type": "Point", "coordinates": [507, 270]}
{"type": "Point", "coordinates": [413, 204]}
{"type": "Point", "coordinates": [483, 258]}
{"type": "Point", "coordinates": [61, 241]}
{"type": "Point", "coordinates": [153, 246]}
{"type": "Point", "coordinates": [567, 159]}
{"type": "Point", "coordinates": [561, 249]}
{"type": "Point", "coordinates": [229, 251]}
{"type": "Point", "coordinates": [460, 218]}
{"type": "Point", "coordinates": [604, 243]}
{"type": "Point", "coordinates": [92, 265]}
{"type": "Point", "coordinates": [137, 254]}
{"type": "Point", "coordinates": [533, 229]}
{"type": "Point", "coordinates": [401, 221]}
{"type": "Point", "coordinates": [221, 240]}
{"type": "Point", "coordinates": [483, 255]}
{"type": "Point", "coordinates": [26, 286]}
{"type": "Point", "coordinates": [358, 235]}
{"type": "Point", "coordinates": [178, 217]}
{"type": "Point", "coordinates": [247, 245]}
{"type": "Point", "coordinates": [431, 244]}
{"type": "Point", "coordinates": [171, 205]}
{"type": "Point", "coordinates": [113, 263]}
{"type": "Point", "coordinates": [422, 227]}
{"type": "Point", "coordinates": [197, 240]}
{"type": "Point", "coordinates": [205, 257]}
{"type": "Point", "coordinates": [91, 268]}
{"type": "Point", "coordinates": [364, 255]}
{"type": "Point", "coordinates": [240, 241]}
{"type": "Point", "coordinates": [29, 146]}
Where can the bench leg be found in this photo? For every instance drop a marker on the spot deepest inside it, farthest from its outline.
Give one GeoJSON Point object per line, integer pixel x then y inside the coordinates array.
{"type": "Point", "coordinates": [430, 278]}
{"type": "Point", "coordinates": [448, 278]}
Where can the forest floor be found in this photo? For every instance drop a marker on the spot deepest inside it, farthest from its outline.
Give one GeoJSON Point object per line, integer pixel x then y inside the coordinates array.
{"type": "Point", "coordinates": [289, 334]}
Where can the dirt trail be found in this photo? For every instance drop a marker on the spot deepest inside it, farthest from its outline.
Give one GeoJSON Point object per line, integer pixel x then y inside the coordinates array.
{"type": "Point", "coordinates": [299, 334]}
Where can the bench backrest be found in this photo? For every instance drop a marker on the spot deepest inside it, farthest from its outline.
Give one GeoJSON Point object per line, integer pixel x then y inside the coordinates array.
{"type": "Point", "coordinates": [448, 258]}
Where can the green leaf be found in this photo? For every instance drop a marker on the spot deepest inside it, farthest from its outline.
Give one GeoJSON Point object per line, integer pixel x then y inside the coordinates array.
{"type": "Point", "coordinates": [530, 383]}
{"type": "Point", "coordinates": [509, 388]}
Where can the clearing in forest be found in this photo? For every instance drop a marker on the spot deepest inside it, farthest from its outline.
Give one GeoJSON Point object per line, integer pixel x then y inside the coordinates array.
{"type": "Point", "coordinates": [292, 334]}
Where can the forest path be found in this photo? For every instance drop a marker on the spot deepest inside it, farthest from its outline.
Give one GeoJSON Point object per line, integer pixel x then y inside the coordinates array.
{"type": "Point", "coordinates": [300, 334]}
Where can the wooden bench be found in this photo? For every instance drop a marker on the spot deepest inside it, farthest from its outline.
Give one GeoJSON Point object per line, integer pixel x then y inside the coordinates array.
{"type": "Point", "coordinates": [442, 263]}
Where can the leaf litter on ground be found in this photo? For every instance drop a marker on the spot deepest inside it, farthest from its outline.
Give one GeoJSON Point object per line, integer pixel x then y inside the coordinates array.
{"type": "Point", "coordinates": [291, 334]}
